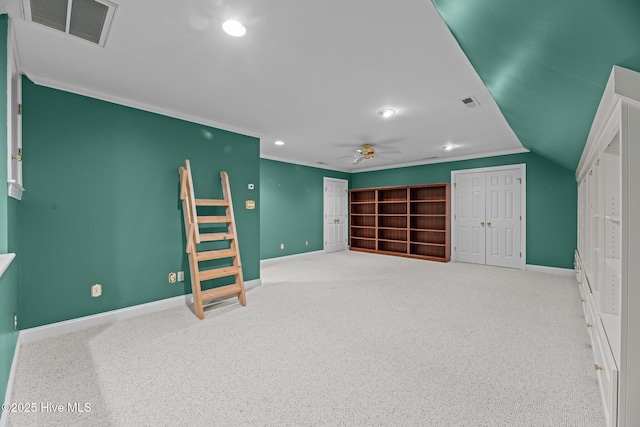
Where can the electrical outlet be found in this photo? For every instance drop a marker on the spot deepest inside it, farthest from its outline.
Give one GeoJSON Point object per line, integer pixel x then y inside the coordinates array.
{"type": "Point", "coordinates": [180, 276]}
{"type": "Point", "coordinates": [281, 245]}
{"type": "Point", "coordinates": [96, 290]}
{"type": "Point", "coordinates": [306, 243]}
{"type": "Point", "coordinates": [172, 277]}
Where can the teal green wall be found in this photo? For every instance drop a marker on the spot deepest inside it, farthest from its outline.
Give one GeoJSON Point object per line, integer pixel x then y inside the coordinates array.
{"type": "Point", "coordinates": [8, 337]}
{"type": "Point", "coordinates": [546, 62]}
{"type": "Point", "coordinates": [551, 200]}
{"type": "Point", "coordinates": [292, 207]}
{"type": "Point", "coordinates": [9, 209]}
{"type": "Point", "coordinates": [9, 298]}
{"type": "Point", "coordinates": [102, 202]}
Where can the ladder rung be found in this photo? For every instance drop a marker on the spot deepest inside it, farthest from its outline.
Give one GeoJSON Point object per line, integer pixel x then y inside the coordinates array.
{"type": "Point", "coordinates": [222, 291]}
{"type": "Point", "coordinates": [211, 202]}
{"type": "Point", "coordinates": [213, 219]}
{"type": "Point", "coordinates": [211, 237]}
{"type": "Point", "coordinates": [214, 273]}
{"type": "Point", "coordinates": [221, 253]}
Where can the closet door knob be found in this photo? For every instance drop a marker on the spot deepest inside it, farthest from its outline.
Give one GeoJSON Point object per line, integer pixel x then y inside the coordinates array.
{"type": "Point", "coordinates": [489, 223]}
{"type": "Point", "coordinates": [589, 325]}
{"type": "Point", "coordinates": [598, 367]}
{"type": "Point", "coordinates": [482, 223]}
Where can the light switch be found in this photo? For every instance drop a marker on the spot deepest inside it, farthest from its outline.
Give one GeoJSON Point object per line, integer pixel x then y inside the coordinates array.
{"type": "Point", "coordinates": [250, 204]}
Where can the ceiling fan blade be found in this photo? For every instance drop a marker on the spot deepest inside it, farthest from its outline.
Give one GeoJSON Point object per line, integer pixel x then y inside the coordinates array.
{"type": "Point", "coordinates": [383, 151]}
{"type": "Point", "coordinates": [357, 160]}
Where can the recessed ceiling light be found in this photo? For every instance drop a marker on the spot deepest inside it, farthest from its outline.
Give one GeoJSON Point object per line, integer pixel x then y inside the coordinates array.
{"type": "Point", "coordinates": [387, 112]}
{"type": "Point", "coordinates": [234, 28]}
{"type": "Point", "coordinates": [449, 147]}
{"type": "Point", "coordinates": [279, 142]}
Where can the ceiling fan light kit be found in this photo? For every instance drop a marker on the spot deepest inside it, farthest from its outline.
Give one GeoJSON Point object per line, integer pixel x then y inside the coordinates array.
{"type": "Point", "coordinates": [366, 152]}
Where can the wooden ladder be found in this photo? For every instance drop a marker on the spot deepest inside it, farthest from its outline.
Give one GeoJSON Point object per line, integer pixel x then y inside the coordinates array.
{"type": "Point", "coordinates": [192, 230]}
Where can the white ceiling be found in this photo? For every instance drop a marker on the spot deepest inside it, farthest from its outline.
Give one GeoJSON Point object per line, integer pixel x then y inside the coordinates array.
{"type": "Point", "coordinates": [310, 73]}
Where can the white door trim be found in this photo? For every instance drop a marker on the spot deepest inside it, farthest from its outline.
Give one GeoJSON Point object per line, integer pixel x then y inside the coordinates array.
{"type": "Point", "coordinates": [325, 181]}
{"type": "Point", "coordinates": [523, 205]}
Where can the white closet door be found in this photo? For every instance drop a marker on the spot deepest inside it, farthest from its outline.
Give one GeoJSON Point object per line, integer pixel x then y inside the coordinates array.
{"type": "Point", "coordinates": [470, 218]}
{"type": "Point", "coordinates": [503, 218]}
{"type": "Point", "coordinates": [335, 215]}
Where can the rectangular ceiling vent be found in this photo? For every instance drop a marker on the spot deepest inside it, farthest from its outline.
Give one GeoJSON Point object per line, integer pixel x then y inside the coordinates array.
{"type": "Point", "coordinates": [87, 19]}
{"type": "Point", "coordinates": [470, 102]}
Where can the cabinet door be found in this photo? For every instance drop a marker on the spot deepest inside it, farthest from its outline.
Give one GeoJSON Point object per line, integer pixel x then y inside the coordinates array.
{"type": "Point", "coordinates": [470, 217]}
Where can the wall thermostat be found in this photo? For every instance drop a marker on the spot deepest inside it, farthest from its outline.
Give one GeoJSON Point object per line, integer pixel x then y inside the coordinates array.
{"type": "Point", "coordinates": [250, 186]}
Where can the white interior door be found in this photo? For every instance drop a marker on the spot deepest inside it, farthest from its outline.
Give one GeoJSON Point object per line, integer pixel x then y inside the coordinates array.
{"type": "Point", "coordinates": [503, 218]}
{"type": "Point", "coordinates": [335, 214]}
{"type": "Point", "coordinates": [470, 207]}
{"type": "Point", "coordinates": [488, 217]}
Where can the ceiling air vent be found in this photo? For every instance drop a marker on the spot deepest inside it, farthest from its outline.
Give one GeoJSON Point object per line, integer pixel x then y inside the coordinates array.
{"type": "Point", "coordinates": [470, 102]}
{"type": "Point", "coordinates": [87, 19]}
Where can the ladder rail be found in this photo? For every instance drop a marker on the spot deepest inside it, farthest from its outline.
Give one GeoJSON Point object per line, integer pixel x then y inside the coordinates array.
{"type": "Point", "coordinates": [186, 209]}
{"type": "Point", "coordinates": [226, 193]}
{"type": "Point", "coordinates": [192, 202]}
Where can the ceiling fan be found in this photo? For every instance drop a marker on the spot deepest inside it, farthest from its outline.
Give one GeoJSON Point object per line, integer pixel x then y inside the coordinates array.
{"type": "Point", "coordinates": [366, 152]}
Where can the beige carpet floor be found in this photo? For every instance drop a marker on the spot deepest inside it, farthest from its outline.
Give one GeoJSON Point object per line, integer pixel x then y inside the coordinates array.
{"type": "Point", "coordinates": [343, 339]}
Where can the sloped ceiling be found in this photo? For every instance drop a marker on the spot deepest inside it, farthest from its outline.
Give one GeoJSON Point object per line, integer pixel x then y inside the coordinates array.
{"type": "Point", "coordinates": [546, 62]}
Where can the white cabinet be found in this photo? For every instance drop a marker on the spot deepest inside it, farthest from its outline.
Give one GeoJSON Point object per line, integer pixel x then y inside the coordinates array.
{"type": "Point", "coordinates": [608, 255]}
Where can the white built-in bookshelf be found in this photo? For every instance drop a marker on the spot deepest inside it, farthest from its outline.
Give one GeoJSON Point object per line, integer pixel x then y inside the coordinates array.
{"type": "Point", "coordinates": [608, 257]}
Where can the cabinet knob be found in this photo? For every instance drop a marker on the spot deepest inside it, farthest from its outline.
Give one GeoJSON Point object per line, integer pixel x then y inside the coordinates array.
{"type": "Point", "coordinates": [598, 367]}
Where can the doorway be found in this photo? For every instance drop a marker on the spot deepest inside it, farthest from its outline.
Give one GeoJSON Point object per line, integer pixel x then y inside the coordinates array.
{"type": "Point", "coordinates": [488, 207]}
{"type": "Point", "coordinates": [336, 200]}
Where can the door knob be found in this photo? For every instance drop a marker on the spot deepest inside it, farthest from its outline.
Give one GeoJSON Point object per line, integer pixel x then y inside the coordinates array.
{"type": "Point", "coordinates": [489, 223]}
{"type": "Point", "coordinates": [482, 223]}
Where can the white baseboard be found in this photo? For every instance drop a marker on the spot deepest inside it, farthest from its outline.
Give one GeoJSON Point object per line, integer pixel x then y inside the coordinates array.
{"type": "Point", "coordinates": [81, 323]}
{"type": "Point", "coordinates": [4, 416]}
{"type": "Point", "coordinates": [551, 270]}
{"type": "Point", "coordinates": [287, 257]}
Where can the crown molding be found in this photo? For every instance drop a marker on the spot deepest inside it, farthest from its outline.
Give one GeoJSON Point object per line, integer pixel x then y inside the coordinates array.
{"type": "Point", "coordinates": [120, 100]}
